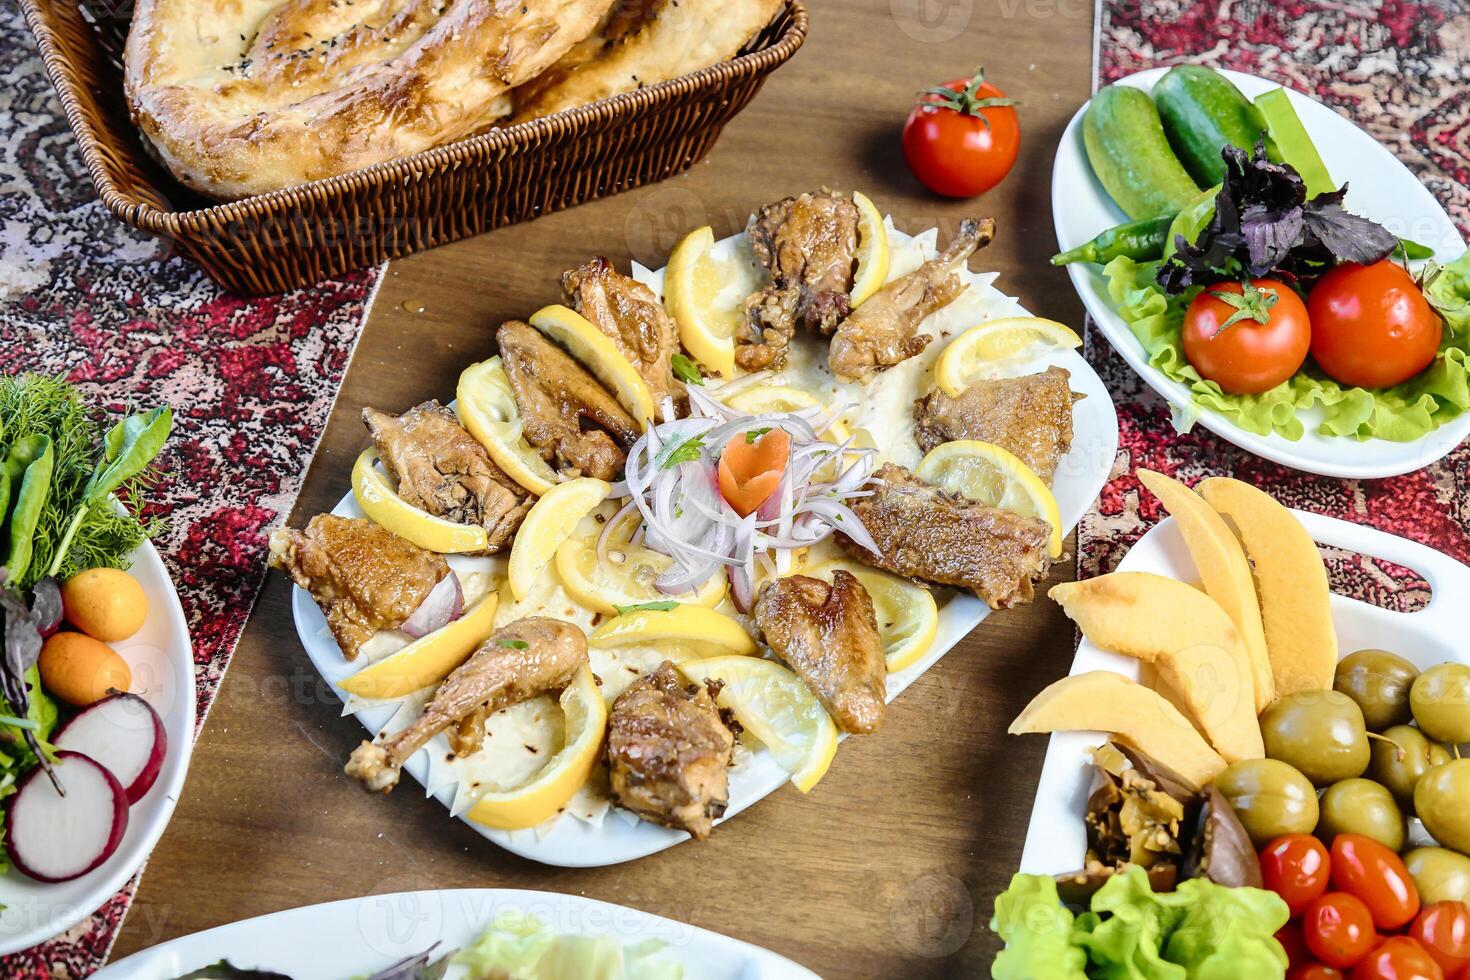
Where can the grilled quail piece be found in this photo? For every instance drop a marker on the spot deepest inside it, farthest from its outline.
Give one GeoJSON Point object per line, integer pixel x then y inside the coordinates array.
{"type": "Point", "coordinates": [809, 245]}
{"type": "Point", "coordinates": [634, 319]}
{"type": "Point", "coordinates": [1030, 416]}
{"type": "Point", "coordinates": [440, 468]}
{"type": "Point", "coordinates": [829, 636]}
{"type": "Point", "coordinates": [927, 534]}
{"type": "Point", "coordinates": [668, 753]}
{"type": "Point", "coordinates": [364, 578]}
{"type": "Point", "coordinates": [884, 330]}
{"type": "Point", "coordinates": [566, 414]}
{"type": "Point", "coordinates": [520, 661]}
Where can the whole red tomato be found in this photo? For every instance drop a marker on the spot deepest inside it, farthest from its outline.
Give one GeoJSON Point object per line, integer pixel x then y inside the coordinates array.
{"type": "Point", "coordinates": [1444, 930]}
{"type": "Point", "coordinates": [1399, 958]}
{"type": "Point", "coordinates": [1339, 929]}
{"type": "Point", "coordinates": [1371, 325]}
{"type": "Point", "coordinates": [1291, 939]}
{"type": "Point", "coordinates": [961, 138]}
{"type": "Point", "coordinates": [1296, 867]}
{"type": "Point", "coordinates": [1363, 867]}
{"type": "Point", "coordinates": [1247, 339]}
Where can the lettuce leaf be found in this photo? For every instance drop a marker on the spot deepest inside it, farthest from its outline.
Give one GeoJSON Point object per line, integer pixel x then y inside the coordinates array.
{"type": "Point", "coordinates": [522, 947]}
{"type": "Point", "coordinates": [1403, 413]}
{"type": "Point", "coordinates": [1037, 930]}
{"type": "Point", "coordinates": [1228, 932]}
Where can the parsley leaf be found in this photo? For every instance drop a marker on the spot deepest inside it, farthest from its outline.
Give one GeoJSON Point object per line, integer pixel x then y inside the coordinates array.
{"type": "Point", "coordinates": [681, 452]}
{"type": "Point", "coordinates": [686, 370]}
{"type": "Point", "coordinates": [755, 434]}
{"type": "Point", "coordinates": [512, 644]}
{"type": "Point", "coordinates": [663, 605]}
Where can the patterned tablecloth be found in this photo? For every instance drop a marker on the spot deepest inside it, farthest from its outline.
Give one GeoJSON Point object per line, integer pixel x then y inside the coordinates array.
{"type": "Point", "coordinates": [251, 383]}
{"type": "Point", "coordinates": [1401, 70]}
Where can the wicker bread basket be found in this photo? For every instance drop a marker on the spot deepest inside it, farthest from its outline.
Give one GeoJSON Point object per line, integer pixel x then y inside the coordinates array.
{"type": "Point", "coordinates": [304, 234]}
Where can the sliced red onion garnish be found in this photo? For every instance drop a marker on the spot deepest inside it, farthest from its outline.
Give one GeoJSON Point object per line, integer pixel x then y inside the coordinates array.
{"type": "Point", "coordinates": [443, 605]}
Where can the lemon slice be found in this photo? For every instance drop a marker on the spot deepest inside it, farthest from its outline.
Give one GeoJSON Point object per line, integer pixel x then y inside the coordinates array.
{"type": "Point", "coordinates": [391, 512]}
{"type": "Point", "coordinates": [550, 521]}
{"type": "Point", "coordinates": [873, 253]}
{"type": "Point", "coordinates": [997, 340]}
{"type": "Point", "coordinates": [692, 282]}
{"type": "Point", "coordinates": [682, 624]}
{"type": "Point", "coordinates": [777, 707]}
{"type": "Point", "coordinates": [558, 781]}
{"type": "Point", "coordinates": [427, 660]}
{"type": "Point", "coordinates": [987, 473]}
{"type": "Point", "coordinates": [771, 399]}
{"type": "Point", "coordinates": [598, 354]}
{"type": "Point", "coordinates": [626, 578]}
{"type": "Point", "coordinates": [487, 409]}
{"type": "Point", "coordinates": [908, 617]}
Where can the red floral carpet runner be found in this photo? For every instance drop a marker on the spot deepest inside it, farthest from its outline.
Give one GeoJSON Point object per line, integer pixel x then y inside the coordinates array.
{"type": "Point", "coordinates": [250, 382]}
{"type": "Point", "coordinates": [1395, 68]}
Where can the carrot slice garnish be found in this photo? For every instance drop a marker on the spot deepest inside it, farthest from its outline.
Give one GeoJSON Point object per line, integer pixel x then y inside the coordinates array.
{"type": "Point", "coordinates": [751, 467]}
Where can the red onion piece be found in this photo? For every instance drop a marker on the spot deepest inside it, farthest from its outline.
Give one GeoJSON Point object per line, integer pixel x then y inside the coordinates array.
{"type": "Point", "coordinates": [443, 605]}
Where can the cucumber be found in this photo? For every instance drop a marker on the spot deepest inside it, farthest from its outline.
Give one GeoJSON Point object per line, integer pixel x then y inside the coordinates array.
{"type": "Point", "coordinates": [1202, 111]}
{"type": "Point", "coordinates": [1131, 156]}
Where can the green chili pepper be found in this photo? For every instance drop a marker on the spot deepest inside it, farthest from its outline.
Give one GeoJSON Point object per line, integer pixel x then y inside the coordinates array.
{"type": "Point", "coordinates": [28, 475]}
{"type": "Point", "coordinates": [128, 448]}
{"type": "Point", "coordinates": [1413, 251]}
{"type": "Point", "coordinates": [1140, 240]}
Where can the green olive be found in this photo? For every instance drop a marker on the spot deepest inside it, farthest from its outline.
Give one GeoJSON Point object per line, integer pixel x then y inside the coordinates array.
{"type": "Point", "coordinates": [1440, 875]}
{"type": "Point", "coordinates": [1400, 758]}
{"type": "Point", "coordinates": [1440, 700]}
{"type": "Point", "coordinates": [1270, 798]}
{"type": "Point", "coordinates": [1442, 800]}
{"type": "Point", "coordinates": [1320, 733]}
{"type": "Point", "coordinates": [1379, 682]}
{"type": "Point", "coordinates": [1361, 806]}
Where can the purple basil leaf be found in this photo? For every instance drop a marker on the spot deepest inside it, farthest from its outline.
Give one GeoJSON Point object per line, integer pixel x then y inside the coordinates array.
{"type": "Point", "coordinates": [1347, 237]}
{"type": "Point", "coordinates": [1269, 234]}
{"type": "Point", "coordinates": [22, 644]}
{"type": "Point", "coordinates": [46, 604]}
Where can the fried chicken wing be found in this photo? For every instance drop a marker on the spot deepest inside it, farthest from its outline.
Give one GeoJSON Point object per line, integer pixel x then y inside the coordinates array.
{"type": "Point", "coordinates": [828, 634]}
{"type": "Point", "coordinates": [440, 468]}
{"type": "Point", "coordinates": [1030, 416]}
{"type": "Point", "coordinates": [364, 578]}
{"type": "Point", "coordinates": [668, 752]}
{"type": "Point", "coordinates": [632, 316]}
{"type": "Point", "coordinates": [884, 330]}
{"type": "Point", "coordinates": [809, 245]}
{"type": "Point", "coordinates": [566, 414]}
{"type": "Point", "coordinates": [927, 534]}
{"type": "Point", "coordinates": [520, 661]}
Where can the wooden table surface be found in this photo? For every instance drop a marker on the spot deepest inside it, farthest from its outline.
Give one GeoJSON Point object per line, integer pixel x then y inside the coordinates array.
{"type": "Point", "coordinates": [890, 866]}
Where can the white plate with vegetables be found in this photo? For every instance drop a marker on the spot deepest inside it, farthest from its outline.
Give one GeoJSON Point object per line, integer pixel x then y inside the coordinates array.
{"type": "Point", "coordinates": [114, 708]}
{"type": "Point", "coordinates": [1374, 432]}
{"type": "Point", "coordinates": [1057, 840]}
{"type": "Point", "coordinates": [481, 931]}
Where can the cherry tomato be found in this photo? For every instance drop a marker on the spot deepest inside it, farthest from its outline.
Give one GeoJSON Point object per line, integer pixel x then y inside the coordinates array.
{"type": "Point", "coordinates": [1371, 325]}
{"type": "Point", "coordinates": [1315, 971]}
{"type": "Point", "coordinates": [1399, 958]}
{"type": "Point", "coordinates": [1291, 939]}
{"type": "Point", "coordinates": [1247, 340]}
{"type": "Point", "coordinates": [1363, 867]}
{"type": "Point", "coordinates": [961, 139]}
{"type": "Point", "coordinates": [1296, 867]}
{"type": "Point", "coordinates": [1339, 929]}
{"type": "Point", "coordinates": [1444, 930]}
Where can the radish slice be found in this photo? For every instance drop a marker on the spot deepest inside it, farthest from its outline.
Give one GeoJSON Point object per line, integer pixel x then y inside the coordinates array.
{"type": "Point", "coordinates": [125, 735]}
{"type": "Point", "coordinates": [442, 605]}
{"type": "Point", "coordinates": [51, 837]}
